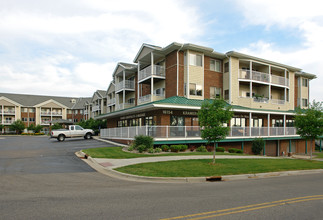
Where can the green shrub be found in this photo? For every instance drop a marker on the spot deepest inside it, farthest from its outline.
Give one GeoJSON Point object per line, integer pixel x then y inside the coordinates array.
{"type": "Point", "coordinates": [158, 150]}
{"type": "Point", "coordinates": [175, 148]}
{"type": "Point", "coordinates": [220, 149]}
{"type": "Point", "coordinates": [165, 148]}
{"type": "Point", "coordinates": [141, 148]}
{"type": "Point", "coordinates": [239, 151]}
{"type": "Point", "coordinates": [150, 150]}
{"type": "Point", "coordinates": [131, 148]}
{"type": "Point", "coordinates": [144, 140]}
{"type": "Point", "coordinates": [201, 149]}
{"type": "Point", "coordinates": [183, 147]}
{"type": "Point", "coordinates": [257, 146]}
{"type": "Point", "coordinates": [232, 150]}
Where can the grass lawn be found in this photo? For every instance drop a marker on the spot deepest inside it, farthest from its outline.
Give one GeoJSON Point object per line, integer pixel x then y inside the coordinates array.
{"type": "Point", "coordinates": [118, 153]}
{"type": "Point", "coordinates": [318, 154]}
{"type": "Point", "coordinates": [204, 167]}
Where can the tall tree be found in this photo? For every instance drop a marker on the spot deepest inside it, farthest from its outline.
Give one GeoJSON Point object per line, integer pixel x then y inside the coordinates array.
{"type": "Point", "coordinates": [212, 117]}
{"type": "Point", "coordinates": [18, 126]}
{"type": "Point", "coordinates": [309, 122]}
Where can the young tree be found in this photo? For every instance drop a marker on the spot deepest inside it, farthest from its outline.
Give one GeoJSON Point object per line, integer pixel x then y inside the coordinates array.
{"type": "Point", "coordinates": [56, 126]}
{"type": "Point", "coordinates": [31, 127]}
{"type": "Point", "coordinates": [1, 127]}
{"type": "Point", "coordinates": [212, 117]}
{"type": "Point", "coordinates": [18, 126]}
{"type": "Point", "coordinates": [309, 122]}
{"type": "Point", "coordinates": [38, 128]}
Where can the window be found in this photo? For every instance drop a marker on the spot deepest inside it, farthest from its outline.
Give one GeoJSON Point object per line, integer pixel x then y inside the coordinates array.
{"type": "Point", "coordinates": [159, 92]}
{"type": "Point", "coordinates": [277, 123]}
{"type": "Point", "coordinates": [31, 119]}
{"type": "Point", "coordinates": [215, 65]}
{"type": "Point", "coordinates": [195, 60]}
{"type": "Point", "coordinates": [226, 94]}
{"type": "Point", "coordinates": [24, 119]}
{"type": "Point", "coordinates": [185, 88]}
{"type": "Point", "coordinates": [226, 67]}
{"type": "Point", "coordinates": [78, 128]}
{"type": "Point", "coordinates": [215, 93]}
{"type": "Point", "coordinates": [195, 89]}
{"type": "Point", "coordinates": [257, 122]}
{"type": "Point", "coordinates": [290, 123]}
{"type": "Point", "coordinates": [238, 122]}
{"type": "Point", "coordinates": [304, 82]}
{"type": "Point", "coordinates": [32, 110]}
{"type": "Point", "coordinates": [149, 120]}
{"type": "Point", "coordinates": [69, 111]}
{"type": "Point", "coordinates": [176, 120]}
{"type": "Point", "coordinates": [304, 102]}
{"type": "Point", "coordinates": [76, 111]}
{"type": "Point", "coordinates": [25, 109]}
{"type": "Point", "coordinates": [131, 101]}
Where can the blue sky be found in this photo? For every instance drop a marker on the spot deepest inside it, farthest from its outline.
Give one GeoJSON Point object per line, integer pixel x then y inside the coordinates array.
{"type": "Point", "coordinates": [72, 47]}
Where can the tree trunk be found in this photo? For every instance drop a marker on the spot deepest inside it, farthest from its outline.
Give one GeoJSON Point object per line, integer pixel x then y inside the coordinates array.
{"type": "Point", "coordinates": [214, 153]}
{"type": "Point", "coordinates": [311, 148]}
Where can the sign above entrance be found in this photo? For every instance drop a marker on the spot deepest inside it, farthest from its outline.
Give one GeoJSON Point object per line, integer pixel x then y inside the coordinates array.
{"type": "Point", "coordinates": [133, 116]}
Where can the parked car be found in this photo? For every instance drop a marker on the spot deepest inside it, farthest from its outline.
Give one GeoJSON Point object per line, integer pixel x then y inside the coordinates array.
{"type": "Point", "coordinates": [71, 132]}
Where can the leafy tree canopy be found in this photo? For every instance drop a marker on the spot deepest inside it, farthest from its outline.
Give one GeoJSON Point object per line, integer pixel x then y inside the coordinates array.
{"type": "Point", "coordinates": [18, 126]}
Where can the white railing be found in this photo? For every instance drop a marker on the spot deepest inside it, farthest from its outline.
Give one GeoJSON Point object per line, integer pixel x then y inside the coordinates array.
{"type": "Point", "coordinates": [57, 113]}
{"type": "Point", "coordinates": [262, 100]}
{"type": "Point", "coordinates": [184, 132]}
{"type": "Point", "coordinates": [279, 80]}
{"type": "Point", "coordinates": [127, 84]}
{"type": "Point", "coordinates": [96, 108]}
{"type": "Point", "coordinates": [46, 113]}
{"type": "Point", "coordinates": [144, 99]}
{"type": "Point", "coordinates": [157, 71]}
{"type": "Point", "coordinates": [278, 101]}
{"type": "Point", "coordinates": [46, 122]}
{"type": "Point", "coordinates": [124, 105]}
{"type": "Point", "coordinates": [9, 111]}
{"type": "Point", "coordinates": [8, 121]}
{"type": "Point", "coordinates": [260, 76]}
{"type": "Point", "coordinates": [244, 74]}
{"type": "Point", "coordinates": [111, 101]}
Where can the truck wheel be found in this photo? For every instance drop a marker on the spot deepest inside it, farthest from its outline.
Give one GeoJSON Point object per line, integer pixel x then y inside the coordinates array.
{"type": "Point", "coordinates": [88, 136]}
{"type": "Point", "coordinates": [61, 137]}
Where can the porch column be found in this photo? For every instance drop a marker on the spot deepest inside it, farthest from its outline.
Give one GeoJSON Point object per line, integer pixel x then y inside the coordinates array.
{"type": "Point", "coordinates": [290, 145]}
{"type": "Point", "coordinates": [250, 84]}
{"type": "Point", "coordinates": [138, 94]}
{"type": "Point", "coordinates": [264, 150]}
{"type": "Point", "coordinates": [152, 78]}
{"type": "Point", "coordinates": [250, 116]}
{"type": "Point", "coordinates": [278, 143]}
{"type": "Point", "coordinates": [51, 114]}
{"type": "Point", "coordinates": [284, 125]}
{"type": "Point", "coordinates": [305, 146]}
{"type": "Point", "coordinates": [124, 89]}
{"type": "Point", "coordinates": [268, 124]}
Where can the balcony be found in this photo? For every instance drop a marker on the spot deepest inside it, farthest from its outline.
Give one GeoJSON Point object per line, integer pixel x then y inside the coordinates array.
{"type": "Point", "coordinates": [144, 99]}
{"type": "Point", "coordinates": [8, 111]}
{"type": "Point", "coordinates": [45, 122]}
{"type": "Point", "coordinates": [111, 101]}
{"type": "Point", "coordinates": [48, 113]}
{"type": "Point", "coordinates": [96, 108]}
{"type": "Point", "coordinates": [57, 113]}
{"type": "Point", "coordinates": [158, 71]}
{"type": "Point", "coordinates": [127, 84]}
{"type": "Point", "coordinates": [8, 122]}
{"type": "Point", "coordinates": [260, 100]}
{"type": "Point", "coordinates": [124, 105]}
{"type": "Point", "coordinates": [254, 75]}
{"type": "Point", "coordinates": [191, 132]}
{"type": "Point", "coordinates": [279, 80]}
{"type": "Point", "coordinates": [278, 101]}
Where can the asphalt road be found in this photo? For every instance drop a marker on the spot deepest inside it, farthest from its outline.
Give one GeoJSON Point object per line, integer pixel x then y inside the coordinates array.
{"type": "Point", "coordinates": [43, 179]}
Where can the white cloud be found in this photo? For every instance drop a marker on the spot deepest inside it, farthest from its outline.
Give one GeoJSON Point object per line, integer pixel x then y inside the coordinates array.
{"type": "Point", "coordinates": [302, 17]}
{"type": "Point", "coordinates": [71, 47]}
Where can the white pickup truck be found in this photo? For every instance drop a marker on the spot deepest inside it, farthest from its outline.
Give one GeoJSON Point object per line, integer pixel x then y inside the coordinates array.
{"type": "Point", "coordinates": [71, 132]}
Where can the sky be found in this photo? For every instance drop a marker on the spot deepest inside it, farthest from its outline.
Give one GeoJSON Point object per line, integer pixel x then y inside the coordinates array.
{"type": "Point", "coordinates": [71, 47]}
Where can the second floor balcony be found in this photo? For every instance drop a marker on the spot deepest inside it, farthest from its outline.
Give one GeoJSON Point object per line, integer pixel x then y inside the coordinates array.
{"type": "Point", "coordinates": [157, 70]}
{"type": "Point", "coordinates": [96, 108]}
{"type": "Point", "coordinates": [8, 111]}
{"type": "Point", "coordinates": [111, 101]}
{"type": "Point", "coordinates": [126, 84]}
{"type": "Point", "coordinates": [124, 105]}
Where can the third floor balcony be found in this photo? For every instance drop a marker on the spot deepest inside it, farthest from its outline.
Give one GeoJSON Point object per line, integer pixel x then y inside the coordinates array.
{"type": "Point", "coordinates": [263, 77]}
{"type": "Point", "coordinates": [126, 84]}
{"type": "Point", "coordinates": [156, 71]}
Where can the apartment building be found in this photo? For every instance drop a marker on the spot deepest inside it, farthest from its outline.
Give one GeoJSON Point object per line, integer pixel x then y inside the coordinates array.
{"type": "Point", "coordinates": [161, 93]}
{"type": "Point", "coordinates": [40, 110]}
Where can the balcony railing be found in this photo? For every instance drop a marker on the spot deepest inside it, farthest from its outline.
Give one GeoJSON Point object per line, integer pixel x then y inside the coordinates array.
{"type": "Point", "coordinates": [124, 105]}
{"type": "Point", "coordinates": [262, 100]}
{"type": "Point", "coordinates": [278, 101]}
{"type": "Point", "coordinates": [279, 80]}
{"type": "Point", "coordinates": [144, 99]}
{"type": "Point", "coordinates": [8, 111]}
{"type": "Point", "coordinates": [45, 122]}
{"type": "Point", "coordinates": [96, 108]}
{"type": "Point", "coordinates": [8, 122]}
{"type": "Point", "coordinates": [56, 113]}
{"type": "Point", "coordinates": [111, 101]}
{"type": "Point", "coordinates": [157, 71]}
{"type": "Point", "coordinates": [127, 84]}
{"type": "Point", "coordinates": [191, 132]}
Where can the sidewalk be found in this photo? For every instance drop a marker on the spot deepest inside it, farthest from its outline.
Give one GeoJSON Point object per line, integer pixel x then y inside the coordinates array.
{"type": "Point", "coordinates": [106, 166]}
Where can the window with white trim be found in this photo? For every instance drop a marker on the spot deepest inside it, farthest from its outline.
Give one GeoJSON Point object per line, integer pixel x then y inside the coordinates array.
{"type": "Point", "coordinates": [215, 65]}
{"type": "Point", "coordinates": [195, 89]}
{"type": "Point", "coordinates": [215, 93]}
{"type": "Point", "coordinates": [304, 102]}
{"type": "Point", "coordinates": [305, 82]}
{"type": "Point", "coordinates": [195, 59]}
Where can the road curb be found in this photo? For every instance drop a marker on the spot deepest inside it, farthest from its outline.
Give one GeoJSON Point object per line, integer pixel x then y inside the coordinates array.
{"type": "Point", "coordinates": [124, 176]}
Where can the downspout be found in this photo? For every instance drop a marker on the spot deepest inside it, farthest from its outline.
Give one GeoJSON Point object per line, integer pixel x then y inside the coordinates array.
{"type": "Point", "coordinates": [229, 78]}
{"type": "Point", "coordinates": [177, 70]}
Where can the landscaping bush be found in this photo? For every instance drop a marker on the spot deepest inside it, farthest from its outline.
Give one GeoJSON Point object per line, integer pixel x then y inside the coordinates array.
{"type": "Point", "coordinates": [220, 149]}
{"type": "Point", "coordinates": [183, 147]}
{"type": "Point", "coordinates": [209, 148]}
{"type": "Point", "coordinates": [131, 148]}
{"type": "Point", "coordinates": [239, 151]}
{"type": "Point", "coordinates": [165, 148]}
{"type": "Point", "coordinates": [141, 148]}
{"type": "Point", "coordinates": [201, 149]}
{"type": "Point", "coordinates": [150, 150]}
{"type": "Point", "coordinates": [192, 148]}
{"type": "Point", "coordinates": [232, 150]}
{"type": "Point", "coordinates": [158, 150]}
{"type": "Point", "coordinates": [175, 148]}
{"type": "Point", "coordinates": [257, 146]}
{"type": "Point", "coordinates": [147, 141]}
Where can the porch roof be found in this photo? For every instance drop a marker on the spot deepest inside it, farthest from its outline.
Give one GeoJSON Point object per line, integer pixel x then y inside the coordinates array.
{"type": "Point", "coordinates": [179, 102]}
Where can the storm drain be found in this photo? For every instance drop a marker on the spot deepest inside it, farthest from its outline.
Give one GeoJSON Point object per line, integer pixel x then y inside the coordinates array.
{"type": "Point", "coordinates": [214, 178]}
